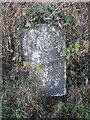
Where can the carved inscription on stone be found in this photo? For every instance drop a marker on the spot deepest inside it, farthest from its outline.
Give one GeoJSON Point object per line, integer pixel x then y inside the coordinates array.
{"type": "Point", "coordinates": [41, 46]}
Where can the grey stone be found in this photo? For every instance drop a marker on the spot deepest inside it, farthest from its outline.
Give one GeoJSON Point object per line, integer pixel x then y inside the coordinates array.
{"type": "Point", "coordinates": [41, 45]}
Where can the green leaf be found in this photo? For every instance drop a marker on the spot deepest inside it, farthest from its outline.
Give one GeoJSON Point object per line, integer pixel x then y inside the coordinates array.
{"type": "Point", "coordinates": [17, 115]}
{"type": "Point", "coordinates": [68, 19]}
{"type": "Point", "coordinates": [64, 51]}
{"type": "Point", "coordinates": [36, 17]}
{"type": "Point", "coordinates": [40, 10]}
{"type": "Point", "coordinates": [76, 46]}
{"type": "Point", "coordinates": [41, 66]}
{"type": "Point", "coordinates": [66, 24]}
{"type": "Point", "coordinates": [27, 24]}
{"type": "Point", "coordinates": [68, 55]}
{"type": "Point", "coordinates": [51, 7]}
{"type": "Point", "coordinates": [61, 13]}
{"type": "Point", "coordinates": [55, 24]}
{"type": "Point", "coordinates": [35, 68]}
{"type": "Point", "coordinates": [59, 106]}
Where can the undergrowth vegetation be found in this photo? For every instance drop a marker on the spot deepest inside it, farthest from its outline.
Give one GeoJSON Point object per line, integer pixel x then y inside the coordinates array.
{"type": "Point", "coordinates": [20, 102]}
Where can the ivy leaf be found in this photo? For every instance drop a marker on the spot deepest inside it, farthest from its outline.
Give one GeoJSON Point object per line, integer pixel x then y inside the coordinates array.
{"type": "Point", "coordinates": [40, 10]}
{"type": "Point", "coordinates": [35, 17]}
{"type": "Point", "coordinates": [55, 24]}
{"type": "Point", "coordinates": [27, 24]}
{"type": "Point", "coordinates": [68, 19]}
{"type": "Point", "coordinates": [41, 66]}
{"type": "Point", "coordinates": [76, 46]}
{"type": "Point", "coordinates": [61, 13]}
{"type": "Point", "coordinates": [35, 67]}
{"type": "Point", "coordinates": [65, 24]}
{"type": "Point", "coordinates": [51, 7]}
{"type": "Point", "coordinates": [64, 51]}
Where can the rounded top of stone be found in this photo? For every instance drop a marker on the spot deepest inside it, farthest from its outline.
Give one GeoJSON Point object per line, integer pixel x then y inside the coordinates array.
{"type": "Point", "coordinates": [40, 27]}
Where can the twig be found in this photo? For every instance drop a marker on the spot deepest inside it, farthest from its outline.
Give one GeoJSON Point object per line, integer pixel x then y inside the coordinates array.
{"type": "Point", "coordinates": [55, 10]}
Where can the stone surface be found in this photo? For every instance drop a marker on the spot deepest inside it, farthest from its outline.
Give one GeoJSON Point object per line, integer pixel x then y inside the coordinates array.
{"type": "Point", "coordinates": [41, 46]}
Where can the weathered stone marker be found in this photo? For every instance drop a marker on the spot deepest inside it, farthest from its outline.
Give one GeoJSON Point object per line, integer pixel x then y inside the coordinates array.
{"type": "Point", "coordinates": [41, 46]}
